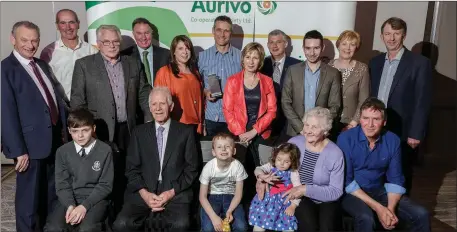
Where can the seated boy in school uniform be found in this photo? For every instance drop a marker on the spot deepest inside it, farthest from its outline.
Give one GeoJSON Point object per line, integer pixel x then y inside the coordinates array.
{"type": "Point", "coordinates": [84, 178]}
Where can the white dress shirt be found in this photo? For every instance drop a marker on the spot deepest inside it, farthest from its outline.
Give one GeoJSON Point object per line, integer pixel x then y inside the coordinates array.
{"type": "Point", "coordinates": [28, 67]}
{"type": "Point", "coordinates": [86, 148]}
{"type": "Point", "coordinates": [166, 127]}
{"type": "Point", "coordinates": [63, 61]}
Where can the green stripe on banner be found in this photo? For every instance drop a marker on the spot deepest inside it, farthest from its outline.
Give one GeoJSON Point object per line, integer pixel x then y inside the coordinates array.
{"type": "Point", "coordinates": [90, 4]}
{"type": "Point", "coordinates": [168, 23]}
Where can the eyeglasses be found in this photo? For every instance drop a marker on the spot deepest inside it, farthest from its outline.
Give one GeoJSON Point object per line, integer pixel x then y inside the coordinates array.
{"type": "Point", "coordinates": [108, 43]}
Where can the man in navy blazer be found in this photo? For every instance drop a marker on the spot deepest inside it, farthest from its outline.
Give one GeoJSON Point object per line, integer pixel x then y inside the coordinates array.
{"type": "Point", "coordinates": [403, 81]}
{"type": "Point", "coordinates": [33, 119]}
{"type": "Point", "coordinates": [275, 66]}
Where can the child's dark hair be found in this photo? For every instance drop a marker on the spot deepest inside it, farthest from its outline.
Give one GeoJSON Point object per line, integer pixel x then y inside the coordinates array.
{"type": "Point", "coordinates": [287, 148]}
{"type": "Point", "coordinates": [222, 135]}
{"type": "Point", "coordinates": [80, 117]}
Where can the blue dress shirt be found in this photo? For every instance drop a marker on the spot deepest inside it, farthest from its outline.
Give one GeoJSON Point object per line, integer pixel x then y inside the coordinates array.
{"type": "Point", "coordinates": [369, 169]}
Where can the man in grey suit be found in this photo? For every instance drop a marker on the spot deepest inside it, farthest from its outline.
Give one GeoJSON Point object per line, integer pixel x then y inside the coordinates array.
{"type": "Point", "coordinates": [110, 86]}
{"type": "Point", "coordinates": [309, 84]}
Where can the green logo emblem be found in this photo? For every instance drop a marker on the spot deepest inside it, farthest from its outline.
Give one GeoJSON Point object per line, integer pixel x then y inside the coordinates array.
{"type": "Point", "coordinates": [267, 7]}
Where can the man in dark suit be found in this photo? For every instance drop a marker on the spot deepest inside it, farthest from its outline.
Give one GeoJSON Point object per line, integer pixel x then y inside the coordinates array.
{"type": "Point", "coordinates": [275, 66]}
{"type": "Point", "coordinates": [111, 85]}
{"type": "Point", "coordinates": [403, 81]}
{"type": "Point", "coordinates": [309, 84]}
{"type": "Point", "coordinates": [156, 57]}
{"type": "Point", "coordinates": [33, 118]}
{"type": "Point", "coordinates": [162, 165]}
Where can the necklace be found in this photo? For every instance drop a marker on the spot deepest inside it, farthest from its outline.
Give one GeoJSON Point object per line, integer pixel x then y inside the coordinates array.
{"type": "Point", "coordinates": [253, 83]}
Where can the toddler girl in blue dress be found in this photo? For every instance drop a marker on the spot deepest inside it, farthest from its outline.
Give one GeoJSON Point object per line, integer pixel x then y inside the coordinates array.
{"type": "Point", "coordinates": [272, 213]}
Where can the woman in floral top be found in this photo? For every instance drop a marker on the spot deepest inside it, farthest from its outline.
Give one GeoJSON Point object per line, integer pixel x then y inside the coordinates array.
{"type": "Point", "coordinates": [355, 78]}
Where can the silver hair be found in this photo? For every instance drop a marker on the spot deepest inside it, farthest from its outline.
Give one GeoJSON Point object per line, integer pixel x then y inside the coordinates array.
{"type": "Point", "coordinates": [320, 113]}
{"type": "Point", "coordinates": [163, 90]}
{"type": "Point", "coordinates": [26, 24]}
{"type": "Point", "coordinates": [114, 28]}
{"type": "Point", "coordinates": [278, 32]}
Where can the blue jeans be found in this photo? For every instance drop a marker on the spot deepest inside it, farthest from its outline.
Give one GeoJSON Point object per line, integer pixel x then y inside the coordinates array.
{"type": "Point", "coordinates": [365, 219]}
{"type": "Point", "coordinates": [220, 204]}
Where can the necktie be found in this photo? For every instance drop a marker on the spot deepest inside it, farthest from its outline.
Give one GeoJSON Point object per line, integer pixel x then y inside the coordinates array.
{"type": "Point", "coordinates": [277, 72]}
{"type": "Point", "coordinates": [83, 152]}
{"type": "Point", "coordinates": [146, 67]}
{"type": "Point", "coordinates": [50, 100]}
{"type": "Point", "coordinates": [160, 141]}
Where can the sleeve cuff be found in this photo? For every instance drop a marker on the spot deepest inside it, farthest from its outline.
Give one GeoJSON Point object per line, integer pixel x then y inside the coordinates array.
{"type": "Point", "coordinates": [394, 188]}
{"type": "Point", "coordinates": [352, 187]}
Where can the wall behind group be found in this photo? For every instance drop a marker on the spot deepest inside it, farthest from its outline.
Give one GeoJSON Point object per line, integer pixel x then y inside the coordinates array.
{"type": "Point", "coordinates": [43, 14]}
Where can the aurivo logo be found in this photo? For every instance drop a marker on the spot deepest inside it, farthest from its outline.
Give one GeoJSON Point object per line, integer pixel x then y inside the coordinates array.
{"type": "Point", "coordinates": [267, 7]}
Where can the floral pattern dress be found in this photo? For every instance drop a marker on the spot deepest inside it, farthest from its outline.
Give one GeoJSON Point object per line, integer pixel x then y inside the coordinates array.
{"type": "Point", "coordinates": [269, 213]}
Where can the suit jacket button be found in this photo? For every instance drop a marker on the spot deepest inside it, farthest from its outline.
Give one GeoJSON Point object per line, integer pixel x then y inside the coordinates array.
{"type": "Point", "coordinates": [46, 111]}
{"type": "Point", "coordinates": [112, 117]}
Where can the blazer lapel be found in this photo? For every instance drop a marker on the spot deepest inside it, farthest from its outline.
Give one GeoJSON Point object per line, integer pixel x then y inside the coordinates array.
{"type": "Point", "coordinates": [155, 63]}
{"type": "Point", "coordinates": [102, 69]}
{"type": "Point", "coordinates": [28, 78]}
{"type": "Point", "coordinates": [322, 77]}
{"type": "Point", "coordinates": [402, 66]}
{"type": "Point", "coordinates": [352, 78]}
{"type": "Point", "coordinates": [284, 70]}
{"type": "Point", "coordinates": [152, 146]}
{"type": "Point", "coordinates": [299, 82]}
{"type": "Point", "coordinates": [173, 133]}
{"type": "Point", "coordinates": [376, 74]}
{"type": "Point", "coordinates": [126, 71]}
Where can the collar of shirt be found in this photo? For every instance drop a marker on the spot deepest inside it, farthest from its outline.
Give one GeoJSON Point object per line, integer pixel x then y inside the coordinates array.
{"type": "Point", "coordinates": [109, 62]}
{"type": "Point", "coordinates": [61, 44]}
{"type": "Point", "coordinates": [281, 62]}
{"type": "Point", "coordinates": [141, 50]}
{"type": "Point", "coordinates": [318, 67]}
{"type": "Point", "coordinates": [363, 137]}
{"type": "Point", "coordinates": [229, 51]}
{"type": "Point", "coordinates": [398, 56]}
{"type": "Point", "coordinates": [87, 148]}
{"type": "Point", "coordinates": [21, 59]}
{"type": "Point", "coordinates": [166, 125]}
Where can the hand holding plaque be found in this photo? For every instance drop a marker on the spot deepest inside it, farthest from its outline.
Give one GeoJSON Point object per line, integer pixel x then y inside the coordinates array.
{"type": "Point", "coordinates": [214, 86]}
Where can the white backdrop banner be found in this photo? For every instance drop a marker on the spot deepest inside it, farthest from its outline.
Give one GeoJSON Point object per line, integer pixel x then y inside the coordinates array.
{"type": "Point", "coordinates": [252, 20]}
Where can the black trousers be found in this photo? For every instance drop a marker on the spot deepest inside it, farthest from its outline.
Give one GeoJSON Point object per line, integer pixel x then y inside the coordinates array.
{"type": "Point", "coordinates": [325, 216]}
{"type": "Point", "coordinates": [92, 222]}
{"type": "Point", "coordinates": [132, 217]}
{"type": "Point", "coordinates": [119, 144]}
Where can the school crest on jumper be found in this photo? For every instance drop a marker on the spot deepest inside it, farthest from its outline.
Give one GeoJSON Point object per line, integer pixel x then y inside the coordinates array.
{"type": "Point", "coordinates": [96, 166]}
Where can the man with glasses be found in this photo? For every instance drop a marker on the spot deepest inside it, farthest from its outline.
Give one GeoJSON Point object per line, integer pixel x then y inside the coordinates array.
{"type": "Point", "coordinates": [62, 54]}
{"type": "Point", "coordinates": [110, 86]}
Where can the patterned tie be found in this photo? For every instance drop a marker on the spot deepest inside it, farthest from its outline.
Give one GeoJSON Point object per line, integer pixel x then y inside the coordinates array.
{"type": "Point", "coordinates": [50, 100]}
{"type": "Point", "coordinates": [146, 67]}
{"type": "Point", "coordinates": [160, 141]}
{"type": "Point", "coordinates": [276, 72]}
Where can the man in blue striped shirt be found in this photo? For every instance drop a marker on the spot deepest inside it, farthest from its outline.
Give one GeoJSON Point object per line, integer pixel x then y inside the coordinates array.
{"type": "Point", "coordinates": [374, 178]}
{"type": "Point", "coordinates": [221, 60]}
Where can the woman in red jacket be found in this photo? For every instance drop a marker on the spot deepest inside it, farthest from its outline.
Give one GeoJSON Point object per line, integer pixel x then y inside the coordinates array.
{"type": "Point", "coordinates": [249, 103]}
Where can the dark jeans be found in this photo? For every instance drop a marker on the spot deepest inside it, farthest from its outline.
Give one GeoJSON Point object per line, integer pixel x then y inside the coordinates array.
{"type": "Point", "coordinates": [212, 127]}
{"type": "Point", "coordinates": [311, 216]}
{"type": "Point", "coordinates": [220, 204]}
{"type": "Point", "coordinates": [92, 222]}
{"type": "Point", "coordinates": [407, 211]}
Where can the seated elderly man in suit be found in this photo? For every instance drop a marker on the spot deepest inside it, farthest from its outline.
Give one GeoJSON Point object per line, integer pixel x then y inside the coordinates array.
{"type": "Point", "coordinates": [161, 166]}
